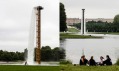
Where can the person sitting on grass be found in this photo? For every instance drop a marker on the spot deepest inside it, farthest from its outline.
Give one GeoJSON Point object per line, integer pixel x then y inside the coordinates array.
{"type": "Point", "coordinates": [92, 62]}
{"type": "Point", "coordinates": [101, 63]}
{"type": "Point", "coordinates": [108, 61]}
{"type": "Point", "coordinates": [83, 60]}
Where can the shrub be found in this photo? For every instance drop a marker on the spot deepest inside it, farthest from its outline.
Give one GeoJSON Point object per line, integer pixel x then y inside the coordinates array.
{"type": "Point", "coordinates": [117, 63]}
{"type": "Point", "coordinates": [65, 62]}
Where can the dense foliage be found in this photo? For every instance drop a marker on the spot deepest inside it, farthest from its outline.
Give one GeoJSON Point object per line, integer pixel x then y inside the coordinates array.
{"type": "Point", "coordinates": [63, 26]}
{"type": "Point", "coordinates": [99, 26]}
{"type": "Point", "coordinates": [116, 22]}
{"type": "Point", "coordinates": [48, 54]}
{"type": "Point", "coordinates": [11, 56]}
{"type": "Point", "coordinates": [117, 62]}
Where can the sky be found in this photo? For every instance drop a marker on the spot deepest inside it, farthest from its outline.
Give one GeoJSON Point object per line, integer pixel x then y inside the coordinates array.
{"type": "Point", "coordinates": [93, 8]}
{"type": "Point", "coordinates": [15, 19]}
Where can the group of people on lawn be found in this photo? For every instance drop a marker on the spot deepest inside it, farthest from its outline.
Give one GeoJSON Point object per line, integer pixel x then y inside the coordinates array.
{"type": "Point", "coordinates": [92, 62]}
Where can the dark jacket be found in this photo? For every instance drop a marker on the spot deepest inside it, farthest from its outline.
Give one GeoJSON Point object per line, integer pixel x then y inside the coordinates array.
{"type": "Point", "coordinates": [92, 62]}
{"type": "Point", "coordinates": [108, 61]}
{"type": "Point", "coordinates": [83, 63]}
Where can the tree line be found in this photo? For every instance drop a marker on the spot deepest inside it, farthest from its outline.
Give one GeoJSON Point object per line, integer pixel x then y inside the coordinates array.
{"type": "Point", "coordinates": [99, 26]}
{"type": "Point", "coordinates": [48, 54]}
{"type": "Point", "coordinates": [11, 56]}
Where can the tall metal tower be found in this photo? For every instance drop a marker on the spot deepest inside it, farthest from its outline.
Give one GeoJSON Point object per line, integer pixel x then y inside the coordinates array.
{"type": "Point", "coordinates": [38, 34]}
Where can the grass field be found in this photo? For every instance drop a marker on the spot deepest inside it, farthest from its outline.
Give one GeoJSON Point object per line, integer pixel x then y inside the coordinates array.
{"type": "Point", "coordinates": [28, 68]}
{"type": "Point", "coordinates": [73, 30]}
{"type": "Point", "coordinates": [70, 36]}
{"type": "Point", "coordinates": [112, 33]}
{"type": "Point", "coordinates": [89, 68]}
{"type": "Point", "coordinates": [57, 68]}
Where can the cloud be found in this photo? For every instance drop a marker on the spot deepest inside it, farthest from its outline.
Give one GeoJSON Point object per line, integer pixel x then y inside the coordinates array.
{"type": "Point", "coordinates": [15, 19]}
{"type": "Point", "coordinates": [94, 8]}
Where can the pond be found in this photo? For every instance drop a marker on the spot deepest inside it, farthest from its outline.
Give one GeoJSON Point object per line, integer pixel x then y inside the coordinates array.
{"type": "Point", "coordinates": [75, 48]}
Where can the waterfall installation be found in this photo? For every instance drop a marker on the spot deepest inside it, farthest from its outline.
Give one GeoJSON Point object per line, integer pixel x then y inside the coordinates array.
{"type": "Point", "coordinates": [34, 43]}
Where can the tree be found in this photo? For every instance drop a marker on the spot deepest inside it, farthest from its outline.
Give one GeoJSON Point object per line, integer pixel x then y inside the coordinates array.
{"type": "Point", "coordinates": [62, 53]}
{"type": "Point", "coordinates": [11, 56]}
{"type": "Point", "coordinates": [56, 54]}
{"type": "Point", "coordinates": [63, 26]}
{"type": "Point", "coordinates": [46, 53]}
{"type": "Point", "coordinates": [15, 56]}
{"type": "Point", "coordinates": [6, 56]}
{"type": "Point", "coordinates": [116, 22]}
{"type": "Point", "coordinates": [116, 19]}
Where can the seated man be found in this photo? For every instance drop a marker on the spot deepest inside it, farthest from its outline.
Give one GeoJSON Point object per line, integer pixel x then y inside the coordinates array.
{"type": "Point", "coordinates": [92, 62]}
{"type": "Point", "coordinates": [108, 61]}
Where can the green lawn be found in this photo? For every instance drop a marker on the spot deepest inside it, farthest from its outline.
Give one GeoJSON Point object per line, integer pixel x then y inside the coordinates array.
{"type": "Point", "coordinates": [113, 33]}
{"type": "Point", "coordinates": [70, 36]}
{"type": "Point", "coordinates": [57, 68]}
{"type": "Point", "coordinates": [89, 68]}
{"type": "Point", "coordinates": [73, 30]}
{"type": "Point", "coordinates": [28, 68]}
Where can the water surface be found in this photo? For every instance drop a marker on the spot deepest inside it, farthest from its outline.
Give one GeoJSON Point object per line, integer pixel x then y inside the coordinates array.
{"type": "Point", "coordinates": [109, 45]}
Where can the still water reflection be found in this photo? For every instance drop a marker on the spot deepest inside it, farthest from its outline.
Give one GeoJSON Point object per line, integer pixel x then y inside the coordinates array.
{"type": "Point", "coordinates": [109, 45]}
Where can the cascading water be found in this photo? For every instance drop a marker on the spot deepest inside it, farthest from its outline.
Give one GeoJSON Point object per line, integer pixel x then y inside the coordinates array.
{"type": "Point", "coordinates": [32, 55]}
{"type": "Point", "coordinates": [31, 46]}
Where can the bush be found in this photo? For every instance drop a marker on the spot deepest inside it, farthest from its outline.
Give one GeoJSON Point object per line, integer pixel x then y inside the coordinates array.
{"type": "Point", "coordinates": [117, 63]}
{"type": "Point", "coordinates": [65, 62]}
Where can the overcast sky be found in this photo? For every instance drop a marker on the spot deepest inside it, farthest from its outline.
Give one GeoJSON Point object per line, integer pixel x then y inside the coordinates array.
{"type": "Point", "coordinates": [15, 18]}
{"type": "Point", "coordinates": [94, 8]}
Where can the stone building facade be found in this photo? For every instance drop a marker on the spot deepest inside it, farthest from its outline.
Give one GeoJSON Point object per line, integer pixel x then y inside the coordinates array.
{"type": "Point", "coordinates": [71, 21]}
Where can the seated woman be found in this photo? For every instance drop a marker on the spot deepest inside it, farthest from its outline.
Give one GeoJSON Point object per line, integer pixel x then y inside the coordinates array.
{"type": "Point", "coordinates": [108, 61]}
{"type": "Point", "coordinates": [83, 60]}
{"type": "Point", "coordinates": [92, 62]}
{"type": "Point", "coordinates": [101, 63]}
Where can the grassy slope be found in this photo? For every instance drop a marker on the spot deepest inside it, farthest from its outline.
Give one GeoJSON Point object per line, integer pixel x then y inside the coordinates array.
{"type": "Point", "coordinates": [28, 68]}
{"type": "Point", "coordinates": [89, 68]}
{"type": "Point", "coordinates": [73, 30]}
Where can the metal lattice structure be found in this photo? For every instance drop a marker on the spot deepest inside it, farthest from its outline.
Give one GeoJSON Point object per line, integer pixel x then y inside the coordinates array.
{"type": "Point", "coordinates": [38, 34]}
